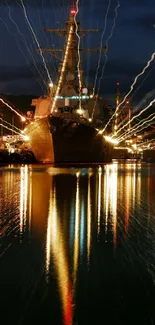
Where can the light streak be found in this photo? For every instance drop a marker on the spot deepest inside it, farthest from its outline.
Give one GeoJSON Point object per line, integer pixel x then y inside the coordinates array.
{"type": "Point", "coordinates": [12, 109]}
{"type": "Point", "coordinates": [99, 60]}
{"type": "Point", "coordinates": [136, 78]}
{"type": "Point", "coordinates": [9, 124]}
{"type": "Point", "coordinates": [6, 127]}
{"type": "Point", "coordinates": [131, 88]}
{"type": "Point", "coordinates": [109, 139]}
{"type": "Point", "coordinates": [145, 145]}
{"type": "Point", "coordinates": [141, 83]}
{"type": "Point", "coordinates": [133, 118]}
{"type": "Point", "coordinates": [136, 127]}
{"type": "Point", "coordinates": [106, 57]}
{"type": "Point", "coordinates": [26, 45]}
{"type": "Point", "coordinates": [78, 50]}
{"type": "Point", "coordinates": [34, 35]}
{"type": "Point", "coordinates": [136, 108]}
{"type": "Point", "coordinates": [144, 126]}
{"type": "Point", "coordinates": [63, 67]}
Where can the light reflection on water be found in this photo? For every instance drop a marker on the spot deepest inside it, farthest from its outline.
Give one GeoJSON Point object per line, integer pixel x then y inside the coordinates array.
{"type": "Point", "coordinates": [78, 244]}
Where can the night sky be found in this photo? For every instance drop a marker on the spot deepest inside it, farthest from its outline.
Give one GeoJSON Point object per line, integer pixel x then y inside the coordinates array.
{"type": "Point", "coordinates": [129, 48]}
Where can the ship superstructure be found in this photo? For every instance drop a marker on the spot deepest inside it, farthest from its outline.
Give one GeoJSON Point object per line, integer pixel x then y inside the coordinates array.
{"type": "Point", "coordinates": [62, 129]}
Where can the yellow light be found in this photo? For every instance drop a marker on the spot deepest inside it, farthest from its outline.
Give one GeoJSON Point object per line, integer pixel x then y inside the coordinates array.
{"type": "Point", "coordinates": [26, 138]}
{"type": "Point", "coordinates": [91, 96]}
{"type": "Point", "coordinates": [63, 66]}
{"type": "Point", "coordinates": [80, 111]}
{"type": "Point", "coordinates": [134, 146]}
{"type": "Point", "coordinates": [51, 84]}
{"type": "Point", "coordinates": [90, 119]}
{"type": "Point", "coordinates": [109, 139]}
{"type": "Point", "coordinates": [23, 119]}
{"type": "Point", "coordinates": [130, 150]}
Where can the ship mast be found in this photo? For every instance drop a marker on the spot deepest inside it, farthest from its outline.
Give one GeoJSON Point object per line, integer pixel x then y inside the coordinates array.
{"type": "Point", "coordinates": [70, 73]}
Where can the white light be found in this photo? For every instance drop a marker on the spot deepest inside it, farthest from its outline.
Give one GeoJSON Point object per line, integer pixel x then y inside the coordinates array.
{"type": "Point", "coordinates": [130, 150]}
{"type": "Point", "coordinates": [134, 146]}
{"type": "Point", "coordinates": [109, 139]}
{"type": "Point", "coordinates": [80, 111]}
{"type": "Point", "coordinates": [26, 138]}
{"type": "Point", "coordinates": [23, 119]}
{"type": "Point", "coordinates": [90, 119]}
{"type": "Point", "coordinates": [51, 84]}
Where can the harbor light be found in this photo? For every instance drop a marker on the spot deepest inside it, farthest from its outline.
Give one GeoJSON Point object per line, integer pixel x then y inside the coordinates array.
{"type": "Point", "coordinates": [23, 118]}
{"type": "Point", "coordinates": [134, 146]}
{"type": "Point", "coordinates": [26, 138]}
{"type": "Point", "coordinates": [109, 139]}
{"type": "Point", "coordinates": [80, 111]}
{"type": "Point", "coordinates": [51, 84]}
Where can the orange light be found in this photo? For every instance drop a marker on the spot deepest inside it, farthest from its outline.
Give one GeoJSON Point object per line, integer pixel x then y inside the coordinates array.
{"type": "Point", "coordinates": [127, 102]}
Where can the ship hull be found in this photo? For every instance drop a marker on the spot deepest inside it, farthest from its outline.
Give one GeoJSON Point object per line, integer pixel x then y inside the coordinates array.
{"type": "Point", "coordinates": [56, 139]}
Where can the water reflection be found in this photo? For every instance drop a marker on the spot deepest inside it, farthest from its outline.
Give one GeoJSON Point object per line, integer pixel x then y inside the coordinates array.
{"type": "Point", "coordinates": [88, 221]}
{"type": "Point", "coordinates": [56, 247]}
{"type": "Point", "coordinates": [23, 196]}
{"type": "Point", "coordinates": [110, 198]}
{"type": "Point", "coordinates": [64, 212]}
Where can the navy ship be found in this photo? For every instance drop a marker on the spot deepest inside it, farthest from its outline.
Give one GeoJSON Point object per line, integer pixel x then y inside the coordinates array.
{"type": "Point", "coordinates": [62, 128]}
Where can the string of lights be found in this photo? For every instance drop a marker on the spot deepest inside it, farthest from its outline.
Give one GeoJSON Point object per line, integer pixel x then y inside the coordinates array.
{"type": "Point", "coordinates": [63, 67]}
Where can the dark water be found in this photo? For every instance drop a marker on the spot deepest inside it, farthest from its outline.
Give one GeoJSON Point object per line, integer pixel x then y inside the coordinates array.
{"type": "Point", "coordinates": [77, 245]}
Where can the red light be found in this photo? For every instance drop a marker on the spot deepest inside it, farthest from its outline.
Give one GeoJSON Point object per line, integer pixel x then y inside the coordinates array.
{"type": "Point", "coordinates": [127, 102]}
{"type": "Point", "coordinates": [118, 84]}
{"type": "Point", "coordinates": [73, 11]}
